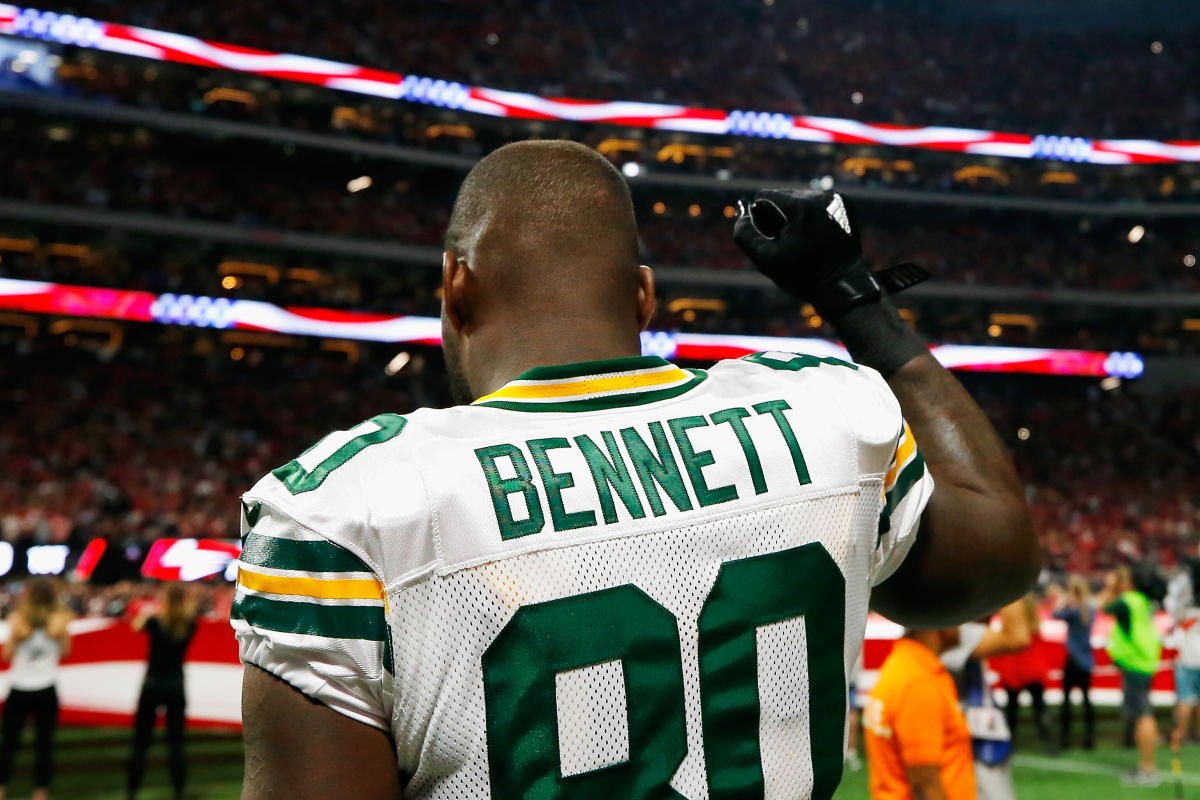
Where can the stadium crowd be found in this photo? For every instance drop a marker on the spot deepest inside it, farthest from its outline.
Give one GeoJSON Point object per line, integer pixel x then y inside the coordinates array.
{"type": "Point", "coordinates": [801, 58]}
{"type": "Point", "coordinates": [268, 190]}
{"type": "Point", "coordinates": [161, 441]}
{"type": "Point", "coordinates": [275, 104]}
{"type": "Point", "coordinates": [156, 264]}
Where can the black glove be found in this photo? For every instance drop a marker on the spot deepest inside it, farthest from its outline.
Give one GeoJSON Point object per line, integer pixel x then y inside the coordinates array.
{"type": "Point", "coordinates": [808, 243]}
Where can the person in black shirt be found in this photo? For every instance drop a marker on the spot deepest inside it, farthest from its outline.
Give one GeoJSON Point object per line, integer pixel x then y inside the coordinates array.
{"type": "Point", "coordinates": [170, 629]}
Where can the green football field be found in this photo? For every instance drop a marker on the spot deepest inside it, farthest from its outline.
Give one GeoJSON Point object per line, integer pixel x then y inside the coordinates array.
{"type": "Point", "coordinates": [91, 767]}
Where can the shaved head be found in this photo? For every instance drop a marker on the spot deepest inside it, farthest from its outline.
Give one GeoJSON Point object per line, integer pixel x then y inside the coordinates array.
{"type": "Point", "coordinates": [546, 212]}
{"type": "Point", "coordinates": [546, 233]}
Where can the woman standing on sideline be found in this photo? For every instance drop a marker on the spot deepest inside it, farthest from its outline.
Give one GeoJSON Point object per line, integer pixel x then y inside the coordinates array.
{"type": "Point", "coordinates": [1025, 671]}
{"type": "Point", "coordinates": [37, 641]}
{"type": "Point", "coordinates": [170, 629]}
{"type": "Point", "coordinates": [1075, 609]}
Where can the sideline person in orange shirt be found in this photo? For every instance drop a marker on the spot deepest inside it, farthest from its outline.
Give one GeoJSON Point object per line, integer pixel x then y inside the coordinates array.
{"type": "Point", "coordinates": [918, 746]}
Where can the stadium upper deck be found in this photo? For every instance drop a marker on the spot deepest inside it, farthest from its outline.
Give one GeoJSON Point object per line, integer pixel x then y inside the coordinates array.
{"type": "Point", "coordinates": [900, 62]}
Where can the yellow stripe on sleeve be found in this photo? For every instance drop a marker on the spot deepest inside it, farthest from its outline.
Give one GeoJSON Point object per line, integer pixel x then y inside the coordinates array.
{"type": "Point", "coordinates": [335, 589]}
{"type": "Point", "coordinates": [904, 451]}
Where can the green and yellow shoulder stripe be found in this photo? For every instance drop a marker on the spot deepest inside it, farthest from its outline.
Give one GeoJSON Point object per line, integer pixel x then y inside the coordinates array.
{"type": "Point", "coordinates": [308, 593]}
{"type": "Point", "coordinates": [906, 469]}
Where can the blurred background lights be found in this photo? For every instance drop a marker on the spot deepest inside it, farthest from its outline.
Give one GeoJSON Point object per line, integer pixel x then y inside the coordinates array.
{"type": "Point", "coordinates": [399, 362]}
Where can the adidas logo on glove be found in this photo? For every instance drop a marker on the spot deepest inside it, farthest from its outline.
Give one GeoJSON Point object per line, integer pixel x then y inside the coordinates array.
{"type": "Point", "coordinates": [837, 212]}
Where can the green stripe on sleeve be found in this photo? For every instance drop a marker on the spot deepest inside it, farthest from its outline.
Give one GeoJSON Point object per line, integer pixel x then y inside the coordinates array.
{"type": "Point", "coordinates": [904, 481]}
{"type": "Point", "coordinates": [317, 556]}
{"type": "Point", "coordinates": [334, 622]}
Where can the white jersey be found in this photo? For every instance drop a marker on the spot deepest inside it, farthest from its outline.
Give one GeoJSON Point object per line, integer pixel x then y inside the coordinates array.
{"type": "Point", "coordinates": [35, 662]}
{"type": "Point", "coordinates": [610, 579]}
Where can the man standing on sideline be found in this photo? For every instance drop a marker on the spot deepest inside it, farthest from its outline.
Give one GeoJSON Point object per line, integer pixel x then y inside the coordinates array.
{"type": "Point", "coordinates": [918, 744]}
{"type": "Point", "coordinates": [1134, 647]}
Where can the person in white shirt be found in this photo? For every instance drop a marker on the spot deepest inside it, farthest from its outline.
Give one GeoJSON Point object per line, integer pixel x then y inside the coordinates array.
{"type": "Point", "coordinates": [1185, 611]}
{"type": "Point", "coordinates": [37, 641]}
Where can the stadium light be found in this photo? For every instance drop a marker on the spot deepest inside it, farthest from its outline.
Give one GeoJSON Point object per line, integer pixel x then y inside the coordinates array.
{"type": "Point", "coordinates": [1023, 434]}
{"type": "Point", "coordinates": [359, 183]}
{"type": "Point", "coordinates": [1136, 233]}
{"type": "Point", "coordinates": [1110, 383]}
{"type": "Point", "coordinates": [1189, 260]}
{"type": "Point", "coordinates": [398, 363]}
{"type": "Point", "coordinates": [631, 169]}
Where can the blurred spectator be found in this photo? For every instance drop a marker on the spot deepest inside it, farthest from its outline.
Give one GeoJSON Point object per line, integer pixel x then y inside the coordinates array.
{"type": "Point", "coordinates": [38, 640]}
{"type": "Point", "coordinates": [1026, 671]}
{"type": "Point", "coordinates": [916, 736]}
{"type": "Point", "coordinates": [170, 629]}
{"type": "Point", "coordinates": [1182, 604]}
{"type": "Point", "coordinates": [1134, 647]}
{"type": "Point", "coordinates": [1074, 607]}
{"type": "Point", "coordinates": [991, 740]}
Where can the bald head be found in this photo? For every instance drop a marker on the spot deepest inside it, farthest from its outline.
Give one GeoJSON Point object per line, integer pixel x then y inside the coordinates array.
{"type": "Point", "coordinates": [550, 217]}
{"type": "Point", "coordinates": [541, 258]}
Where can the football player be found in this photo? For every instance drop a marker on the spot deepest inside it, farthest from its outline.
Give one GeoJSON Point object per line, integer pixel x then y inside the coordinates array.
{"type": "Point", "coordinates": [604, 575]}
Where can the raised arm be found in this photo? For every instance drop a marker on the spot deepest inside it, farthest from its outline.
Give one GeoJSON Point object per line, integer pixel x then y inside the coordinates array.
{"type": "Point", "coordinates": [297, 749]}
{"type": "Point", "coordinates": [976, 550]}
{"type": "Point", "coordinates": [1013, 635]}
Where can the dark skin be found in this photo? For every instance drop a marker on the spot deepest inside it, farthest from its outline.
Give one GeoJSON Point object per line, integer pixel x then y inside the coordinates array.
{"type": "Point", "coordinates": [297, 749]}
{"type": "Point", "coordinates": [977, 549]}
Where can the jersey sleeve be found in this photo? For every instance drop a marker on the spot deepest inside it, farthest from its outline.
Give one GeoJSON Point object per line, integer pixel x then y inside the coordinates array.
{"type": "Point", "coordinates": [312, 613]}
{"type": "Point", "coordinates": [907, 487]}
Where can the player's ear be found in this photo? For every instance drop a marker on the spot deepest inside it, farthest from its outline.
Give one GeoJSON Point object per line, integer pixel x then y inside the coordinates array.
{"type": "Point", "coordinates": [646, 297]}
{"type": "Point", "coordinates": [455, 278]}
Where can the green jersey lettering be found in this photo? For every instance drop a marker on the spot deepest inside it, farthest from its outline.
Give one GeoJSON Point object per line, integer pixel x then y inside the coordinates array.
{"type": "Point", "coordinates": [609, 472]}
{"type": "Point", "coordinates": [662, 470]}
{"type": "Point", "coordinates": [776, 408]}
{"type": "Point", "coordinates": [555, 482]}
{"type": "Point", "coordinates": [734, 417]}
{"type": "Point", "coordinates": [695, 462]}
{"type": "Point", "coordinates": [501, 488]}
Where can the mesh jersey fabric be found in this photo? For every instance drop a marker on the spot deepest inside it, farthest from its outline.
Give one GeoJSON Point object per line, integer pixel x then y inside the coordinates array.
{"type": "Point", "coordinates": [391, 571]}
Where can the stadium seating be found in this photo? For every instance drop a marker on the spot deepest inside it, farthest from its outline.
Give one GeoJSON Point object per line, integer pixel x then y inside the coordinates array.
{"type": "Point", "coordinates": [911, 64]}
{"type": "Point", "coordinates": [161, 438]}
